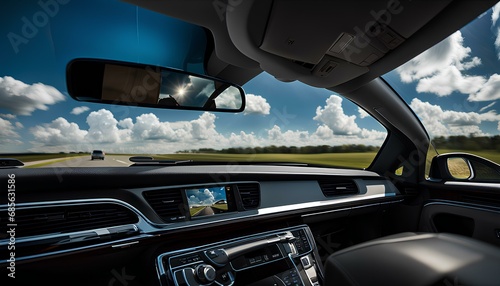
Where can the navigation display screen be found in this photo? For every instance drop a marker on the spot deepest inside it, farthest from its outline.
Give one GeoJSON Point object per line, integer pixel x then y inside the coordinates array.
{"type": "Point", "coordinates": [207, 201]}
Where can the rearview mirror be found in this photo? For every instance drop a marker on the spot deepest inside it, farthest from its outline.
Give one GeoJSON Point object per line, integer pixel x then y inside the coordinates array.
{"type": "Point", "coordinates": [122, 83]}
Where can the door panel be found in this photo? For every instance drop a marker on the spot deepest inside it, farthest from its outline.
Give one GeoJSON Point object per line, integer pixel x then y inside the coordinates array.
{"type": "Point", "coordinates": [465, 208]}
{"type": "Point", "coordinates": [480, 222]}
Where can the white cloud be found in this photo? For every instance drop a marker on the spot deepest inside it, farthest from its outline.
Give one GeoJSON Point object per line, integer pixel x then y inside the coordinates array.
{"type": "Point", "coordinates": [288, 138]}
{"type": "Point", "coordinates": [256, 104]}
{"type": "Point", "coordinates": [229, 98]}
{"type": "Point", "coordinates": [58, 132]}
{"type": "Point", "coordinates": [489, 91]}
{"type": "Point", "coordinates": [497, 41]}
{"type": "Point", "coordinates": [333, 116]}
{"type": "Point", "coordinates": [448, 80]}
{"type": "Point", "coordinates": [79, 110]}
{"type": "Point", "coordinates": [487, 106]}
{"type": "Point", "coordinates": [23, 99]}
{"type": "Point", "coordinates": [495, 12]}
{"type": "Point", "coordinates": [439, 122]}
{"type": "Point", "coordinates": [243, 139]}
{"type": "Point", "coordinates": [7, 116]}
{"type": "Point", "coordinates": [496, 30]}
{"type": "Point", "coordinates": [204, 198]}
{"type": "Point", "coordinates": [440, 69]}
{"type": "Point", "coordinates": [103, 128]}
{"type": "Point", "coordinates": [362, 113]}
{"type": "Point", "coordinates": [146, 133]}
{"type": "Point", "coordinates": [324, 132]}
{"type": "Point", "coordinates": [203, 127]}
{"type": "Point", "coordinates": [126, 123]}
{"type": "Point", "coordinates": [7, 132]}
{"type": "Point", "coordinates": [149, 127]}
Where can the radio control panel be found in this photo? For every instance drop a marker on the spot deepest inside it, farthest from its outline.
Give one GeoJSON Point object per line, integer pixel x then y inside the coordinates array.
{"type": "Point", "coordinates": [285, 257]}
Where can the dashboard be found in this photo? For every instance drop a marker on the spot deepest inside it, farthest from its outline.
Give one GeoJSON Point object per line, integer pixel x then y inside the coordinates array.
{"type": "Point", "coordinates": [184, 225]}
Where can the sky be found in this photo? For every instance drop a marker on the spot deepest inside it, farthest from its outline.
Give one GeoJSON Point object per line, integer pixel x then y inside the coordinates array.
{"type": "Point", "coordinates": [452, 87]}
{"type": "Point", "coordinates": [205, 196]}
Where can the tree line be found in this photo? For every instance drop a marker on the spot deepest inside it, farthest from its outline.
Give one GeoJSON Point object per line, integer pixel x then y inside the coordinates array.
{"type": "Point", "coordinates": [471, 142]}
{"type": "Point", "coordinates": [352, 148]}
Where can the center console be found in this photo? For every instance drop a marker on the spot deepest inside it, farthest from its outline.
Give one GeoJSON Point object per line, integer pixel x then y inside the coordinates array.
{"type": "Point", "coordinates": [283, 257]}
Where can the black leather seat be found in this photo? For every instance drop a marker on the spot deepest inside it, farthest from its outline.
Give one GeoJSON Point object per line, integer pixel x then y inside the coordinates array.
{"type": "Point", "coordinates": [415, 259]}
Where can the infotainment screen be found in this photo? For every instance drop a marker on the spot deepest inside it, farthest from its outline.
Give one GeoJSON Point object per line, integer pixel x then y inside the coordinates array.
{"type": "Point", "coordinates": [207, 201]}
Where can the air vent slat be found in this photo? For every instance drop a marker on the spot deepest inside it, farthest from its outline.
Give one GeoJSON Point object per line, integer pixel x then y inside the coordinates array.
{"type": "Point", "coordinates": [250, 195]}
{"type": "Point", "coordinates": [72, 218]}
{"type": "Point", "coordinates": [338, 187]}
{"type": "Point", "coordinates": [167, 204]}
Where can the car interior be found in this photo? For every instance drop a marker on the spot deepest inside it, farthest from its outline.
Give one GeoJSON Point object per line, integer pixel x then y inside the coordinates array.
{"type": "Point", "coordinates": [277, 224]}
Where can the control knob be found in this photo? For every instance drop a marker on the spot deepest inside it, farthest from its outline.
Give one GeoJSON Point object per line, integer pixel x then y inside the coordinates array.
{"type": "Point", "coordinates": [205, 273]}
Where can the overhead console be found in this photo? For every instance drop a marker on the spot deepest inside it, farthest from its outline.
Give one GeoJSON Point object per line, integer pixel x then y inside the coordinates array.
{"type": "Point", "coordinates": [284, 257]}
{"type": "Point", "coordinates": [328, 43]}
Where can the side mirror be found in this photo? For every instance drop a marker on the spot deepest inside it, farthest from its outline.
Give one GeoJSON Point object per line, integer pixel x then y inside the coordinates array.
{"type": "Point", "coordinates": [122, 83]}
{"type": "Point", "coordinates": [464, 167]}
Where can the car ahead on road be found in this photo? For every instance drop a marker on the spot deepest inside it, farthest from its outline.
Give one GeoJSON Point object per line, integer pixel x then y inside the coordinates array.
{"type": "Point", "coordinates": [277, 142]}
{"type": "Point", "coordinates": [97, 154]}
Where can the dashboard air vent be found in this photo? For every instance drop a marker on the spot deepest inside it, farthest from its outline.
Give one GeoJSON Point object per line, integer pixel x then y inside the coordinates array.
{"type": "Point", "coordinates": [250, 195]}
{"type": "Point", "coordinates": [167, 204]}
{"type": "Point", "coordinates": [338, 187]}
{"type": "Point", "coordinates": [72, 218]}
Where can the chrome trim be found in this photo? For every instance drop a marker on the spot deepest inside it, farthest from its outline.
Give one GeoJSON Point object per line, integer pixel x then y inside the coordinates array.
{"type": "Point", "coordinates": [473, 184]}
{"type": "Point", "coordinates": [365, 206]}
{"type": "Point", "coordinates": [392, 202]}
{"type": "Point", "coordinates": [123, 245]}
{"type": "Point", "coordinates": [279, 209]}
{"type": "Point", "coordinates": [325, 212]}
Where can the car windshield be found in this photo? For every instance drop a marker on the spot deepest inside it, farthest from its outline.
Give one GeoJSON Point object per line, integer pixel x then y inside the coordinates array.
{"type": "Point", "coordinates": [453, 88]}
{"type": "Point", "coordinates": [41, 125]}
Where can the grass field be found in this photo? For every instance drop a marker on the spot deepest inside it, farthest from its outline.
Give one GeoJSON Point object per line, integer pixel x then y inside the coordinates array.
{"type": "Point", "coordinates": [222, 207]}
{"type": "Point", "coordinates": [37, 157]}
{"type": "Point", "coordinates": [353, 160]}
{"type": "Point", "coordinates": [194, 210]}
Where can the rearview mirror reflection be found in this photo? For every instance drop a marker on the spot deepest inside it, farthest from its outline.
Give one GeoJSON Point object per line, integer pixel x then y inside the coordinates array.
{"type": "Point", "coordinates": [150, 86]}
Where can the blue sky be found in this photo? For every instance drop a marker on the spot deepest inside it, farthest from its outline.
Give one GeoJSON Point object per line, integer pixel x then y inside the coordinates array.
{"type": "Point", "coordinates": [205, 196]}
{"type": "Point", "coordinates": [37, 115]}
{"type": "Point", "coordinates": [453, 87]}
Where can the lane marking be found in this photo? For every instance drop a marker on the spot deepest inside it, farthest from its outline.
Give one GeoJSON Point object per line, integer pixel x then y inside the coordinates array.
{"type": "Point", "coordinates": [120, 161]}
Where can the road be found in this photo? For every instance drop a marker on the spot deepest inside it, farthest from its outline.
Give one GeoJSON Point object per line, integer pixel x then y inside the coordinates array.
{"type": "Point", "coordinates": [109, 161]}
{"type": "Point", "coordinates": [205, 211]}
